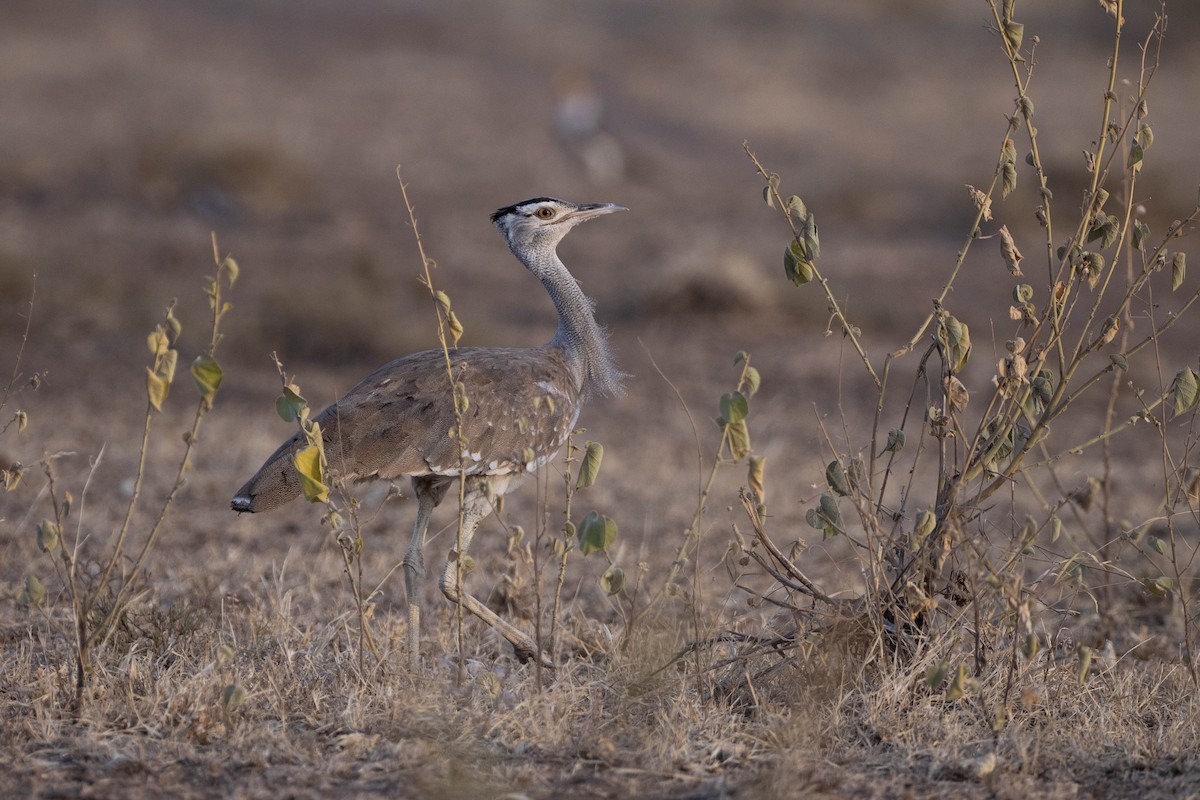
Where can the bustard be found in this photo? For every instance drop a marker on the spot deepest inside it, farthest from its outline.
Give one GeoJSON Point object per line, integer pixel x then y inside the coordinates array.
{"type": "Point", "coordinates": [523, 403]}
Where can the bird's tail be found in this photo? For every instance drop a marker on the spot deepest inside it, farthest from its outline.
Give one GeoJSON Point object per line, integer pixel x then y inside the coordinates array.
{"type": "Point", "coordinates": [275, 483]}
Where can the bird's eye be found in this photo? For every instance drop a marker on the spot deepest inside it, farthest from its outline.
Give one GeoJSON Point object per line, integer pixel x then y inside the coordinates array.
{"type": "Point", "coordinates": [545, 212]}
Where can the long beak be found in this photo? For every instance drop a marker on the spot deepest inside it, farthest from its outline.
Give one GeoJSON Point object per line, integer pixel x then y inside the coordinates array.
{"type": "Point", "coordinates": [589, 210]}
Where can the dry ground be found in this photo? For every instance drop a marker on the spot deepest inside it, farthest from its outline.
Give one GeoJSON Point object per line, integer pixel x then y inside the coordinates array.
{"type": "Point", "coordinates": [131, 130]}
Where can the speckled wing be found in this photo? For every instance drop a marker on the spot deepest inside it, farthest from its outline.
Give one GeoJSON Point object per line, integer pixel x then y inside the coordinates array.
{"type": "Point", "coordinates": [522, 404]}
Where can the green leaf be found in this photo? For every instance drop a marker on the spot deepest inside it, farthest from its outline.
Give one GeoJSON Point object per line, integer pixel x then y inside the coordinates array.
{"type": "Point", "coordinates": [309, 461]}
{"type": "Point", "coordinates": [797, 265]}
{"type": "Point", "coordinates": [1136, 154]}
{"type": "Point", "coordinates": [831, 515]}
{"type": "Point", "coordinates": [156, 389]}
{"type": "Point", "coordinates": [753, 381]}
{"type": "Point", "coordinates": [1157, 544]}
{"type": "Point", "coordinates": [1185, 391]}
{"type": "Point", "coordinates": [835, 476]}
{"type": "Point", "coordinates": [32, 594]}
{"type": "Point", "coordinates": [1008, 167]}
{"type": "Point", "coordinates": [442, 299]}
{"type": "Point", "coordinates": [613, 580]}
{"type": "Point", "coordinates": [596, 533]}
{"type": "Point", "coordinates": [936, 674]}
{"type": "Point", "coordinates": [734, 407]}
{"type": "Point", "coordinates": [1141, 232]}
{"type": "Point", "coordinates": [812, 240]}
{"type": "Point", "coordinates": [290, 405]}
{"type": "Point", "coordinates": [955, 338]}
{"type": "Point", "coordinates": [589, 468]}
{"type": "Point", "coordinates": [895, 441]}
{"type": "Point", "coordinates": [47, 535]}
{"type": "Point", "coordinates": [207, 374]}
{"type": "Point", "coordinates": [1178, 270]}
{"type": "Point", "coordinates": [739, 439]}
{"type": "Point", "coordinates": [1144, 136]}
{"type": "Point", "coordinates": [797, 208]}
{"type": "Point", "coordinates": [232, 696]}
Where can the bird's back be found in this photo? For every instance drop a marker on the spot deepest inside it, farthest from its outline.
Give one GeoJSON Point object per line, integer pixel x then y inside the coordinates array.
{"type": "Point", "coordinates": [522, 405]}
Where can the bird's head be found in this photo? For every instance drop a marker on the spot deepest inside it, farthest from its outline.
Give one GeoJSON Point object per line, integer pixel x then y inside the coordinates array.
{"type": "Point", "coordinates": [543, 221]}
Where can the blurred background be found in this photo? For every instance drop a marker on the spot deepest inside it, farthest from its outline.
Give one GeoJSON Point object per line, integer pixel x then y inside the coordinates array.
{"type": "Point", "coordinates": [129, 131]}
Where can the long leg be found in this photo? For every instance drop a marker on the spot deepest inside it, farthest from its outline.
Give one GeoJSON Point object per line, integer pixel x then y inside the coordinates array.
{"type": "Point", "coordinates": [477, 505]}
{"type": "Point", "coordinates": [429, 491]}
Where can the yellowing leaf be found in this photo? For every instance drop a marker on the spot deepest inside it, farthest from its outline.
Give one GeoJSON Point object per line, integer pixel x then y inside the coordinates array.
{"type": "Point", "coordinates": [231, 267]}
{"type": "Point", "coordinates": [613, 580]}
{"type": "Point", "coordinates": [156, 389]}
{"type": "Point", "coordinates": [207, 374]}
{"type": "Point", "coordinates": [739, 439]}
{"type": "Point", "coordinates": [754, 478]}
{"type": "Point", "coordinates": [456, 328]}
{"type": "Point", "coordinates": [157, 341]}
{"type": "Point", "coordinates": [797, 264]}
{"type": "Point", "coordinates": [310, 465]}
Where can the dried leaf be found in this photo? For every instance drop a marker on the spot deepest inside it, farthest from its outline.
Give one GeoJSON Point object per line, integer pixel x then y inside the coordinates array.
{"type": "Point", "coordinates": [1008, 248]}
{"type": "Point", "coordinates": [956, 393]}
{"type": "Point", "coordinates": [1178, 270]}
{"type": "Point", "coordinates": [981, 201]}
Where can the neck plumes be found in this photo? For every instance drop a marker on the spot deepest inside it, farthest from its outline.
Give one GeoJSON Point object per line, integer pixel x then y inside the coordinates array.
{"type": "Point", "coordinates": [578, 334]}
